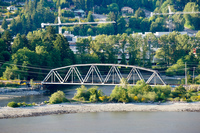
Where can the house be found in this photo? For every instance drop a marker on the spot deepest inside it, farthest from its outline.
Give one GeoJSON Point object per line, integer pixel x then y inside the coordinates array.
{"type": "Point", "coordinates": [21, 3]}
{"type": "Point", "coordinates": [127, 10]}
{"type": "Point", "coordinates": [12, 8]}
{"type": "Point", "coordinates": [67, 9]}
{"type": "Point", "coordinates": [79, 12]}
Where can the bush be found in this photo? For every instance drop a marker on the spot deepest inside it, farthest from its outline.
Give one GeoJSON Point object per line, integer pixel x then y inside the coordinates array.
{"type": "Point", "coordinates": [147, 88]}
{"type": "Point", "coordinates": [12, 104]}
{"type": "Point", "coordinates": [194, 98]}
{"type": "Point", "coordinates": [177, 99]}
{"type": "Point", "coordinates": [104, 98]}
{"type": "Point", "coordinates": [57, 97]}
{"type": "Point", "coordinates": [119, 94]}
{"type": "Point", "coordinates": [82, 94]}
{"type": "Point", "coordinates": [152, 96]}
{"type": "Point", "coordinates": [135, 98]}
{"type": "Point", "coordinates": [180, 89]}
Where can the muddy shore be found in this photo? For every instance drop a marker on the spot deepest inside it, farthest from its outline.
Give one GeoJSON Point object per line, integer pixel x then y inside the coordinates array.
{"type": "Point", "coordinates": [66, 108]}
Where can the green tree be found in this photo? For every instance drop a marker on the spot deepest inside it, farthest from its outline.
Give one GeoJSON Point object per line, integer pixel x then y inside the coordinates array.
{"type": "Point", "coordinates": [113, 7]}
{"type": "Point", "coordinates": [57, 97]}
{"type": "Point", "coordinates": [135, 42]}
{"type": "Point", "coordinates": [17, 44]}
{"type": "Point", "coordinates": [90, 17]}
{"type": "Point", "coordinates": [139, 13]}
{"type": "Point", "coordinates": [62, 45]}
{"type": "Point", "coordinates": [4, 24]}
{"type": "Point", "coordinates": [192, 19]}
{"type": "Point", "coordinates": [7, 39]}
{"type": "Point", "coordinates": [13, 27]}
{"type": "Point", "coordinates": [121, 23]}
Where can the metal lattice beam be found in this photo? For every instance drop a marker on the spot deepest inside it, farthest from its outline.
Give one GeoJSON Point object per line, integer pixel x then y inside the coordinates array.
{"type": "Point", "coordinates": [94, 73]}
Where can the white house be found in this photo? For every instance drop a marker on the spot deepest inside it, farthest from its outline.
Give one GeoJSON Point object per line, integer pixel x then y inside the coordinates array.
{"type": "Point", "coordinates": [12, 8]}
{"type": "Point", "coordinates": [127, 10]}
{"type": "Point", "coordinates": [79, 12]}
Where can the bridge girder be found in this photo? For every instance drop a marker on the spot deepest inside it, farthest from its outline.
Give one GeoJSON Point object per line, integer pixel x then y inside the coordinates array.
{"type": "Point", "coordinates": [112, 76]}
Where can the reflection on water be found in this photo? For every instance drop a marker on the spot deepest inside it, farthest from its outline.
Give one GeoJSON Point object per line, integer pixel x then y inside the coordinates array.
{"type": "Point", "coordinates": [106, 122]}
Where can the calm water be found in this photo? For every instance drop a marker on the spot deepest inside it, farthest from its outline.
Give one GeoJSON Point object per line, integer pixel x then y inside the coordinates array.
{"type": "Point", "coordinates": [68, 90]}
{"type": "Point", "coordinates": [106, 122]}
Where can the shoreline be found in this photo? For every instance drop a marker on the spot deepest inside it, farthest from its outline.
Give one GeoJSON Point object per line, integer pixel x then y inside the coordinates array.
{"type": "Point", "coordinates": [10, 92]}
{"type": "Point", "coordinates": [68, 108]}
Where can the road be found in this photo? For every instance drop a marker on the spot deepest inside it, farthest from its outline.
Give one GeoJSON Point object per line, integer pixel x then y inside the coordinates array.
{"type": "Point", "coordinates": [8, 19]}
{"type": "Point", "coordinates": [190, 32]}
{"type": "Point", "coordinates": [100, 17]}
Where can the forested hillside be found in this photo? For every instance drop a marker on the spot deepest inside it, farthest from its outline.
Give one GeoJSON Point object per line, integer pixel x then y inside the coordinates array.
{"type": "Point", "coordinates": [28, 51]}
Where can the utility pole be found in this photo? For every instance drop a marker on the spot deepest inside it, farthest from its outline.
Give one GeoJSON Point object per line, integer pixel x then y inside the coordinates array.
{"type": "Point", "coordinates": [193, 75]}
{"type": "Point", "coordinates": [185, 74]}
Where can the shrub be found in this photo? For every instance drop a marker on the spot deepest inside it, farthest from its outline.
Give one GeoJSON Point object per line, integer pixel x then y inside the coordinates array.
{"type": "Point", "coordinates": [19, 104]}
{"type": "Point", "coordinates": [23, 104]}
{"type": "Point", "coordinates": [57, 97]}
{"type": "Point", "coordinates": [151, 96]}
{"type": "Point", "coordinates": [119, 94]}
{"type": "Point", "coordinates": [104, 98]}
{"type": "Point", "coordinates": [177, 99]}
{"type": "Point", "coordinates": [170, 99]}
{"type": "Point", "coordinates": [194, 98]}
{"type": "Point", "coordinates": [135, 98]}
{"type": "Point", "coordinates": [180, 89]}
{"type": "Point", "coordinates": [143, 99]}
{"type": "Point", "coordinates": [147, 88]}
{"type": "Point", "coordinates": [94, 94]}
{"type": "Point", "coordinates": [93, 98]}
{"type": "Point", "coordinates": [12, 104]}
{"type": "Point", "coordinates": [82, 94]}
{"type": "Point", "coordinates": [139, 97]}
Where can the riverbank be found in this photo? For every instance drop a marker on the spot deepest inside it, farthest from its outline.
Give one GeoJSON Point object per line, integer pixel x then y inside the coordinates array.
{"type": "Point", "coordinates": [10, 92]}
{"type": "Point", "coordinates": [66, 108]}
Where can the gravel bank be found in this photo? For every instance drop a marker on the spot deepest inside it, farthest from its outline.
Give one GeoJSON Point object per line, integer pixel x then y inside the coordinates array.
{"type": "Point", "coordinates": [7, 112]}
{"type": "Point", "coordinates": [9, 92]}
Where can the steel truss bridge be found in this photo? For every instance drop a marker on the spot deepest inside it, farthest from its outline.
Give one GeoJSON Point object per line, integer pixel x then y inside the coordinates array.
{"type": "Point", "coordinates": [101, 74]}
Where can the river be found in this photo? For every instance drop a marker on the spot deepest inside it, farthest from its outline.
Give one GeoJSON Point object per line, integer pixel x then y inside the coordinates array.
{"type": "Point", "coordinates": [106, 122]}
{"type": "Point", "coordinates": [69, 90]}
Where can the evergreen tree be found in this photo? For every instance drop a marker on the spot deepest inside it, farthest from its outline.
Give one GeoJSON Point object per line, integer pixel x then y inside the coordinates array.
{"type": "Point", "coordinates": [139, 13]}
{"type": "Point", "coordinates": [13, 27]}
{"type": "Point", "coordinates": [90, 17]}
{"type": "Point", "coordinates": [17, 44]}
{"type": "Point", "coordinates": [4, 24]}
{"type": "Point", "coordinates": [7, 39]}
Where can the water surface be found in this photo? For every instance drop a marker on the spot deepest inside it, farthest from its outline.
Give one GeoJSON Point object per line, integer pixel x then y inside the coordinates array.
{"type": "Point", "coordinates": [106, 122]}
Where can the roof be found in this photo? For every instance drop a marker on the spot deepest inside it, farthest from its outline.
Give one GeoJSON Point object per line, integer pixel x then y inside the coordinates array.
{"type": "Point", "coordinates": [126, 8]}
{"type": "Point", "coordinates": [80, 10]}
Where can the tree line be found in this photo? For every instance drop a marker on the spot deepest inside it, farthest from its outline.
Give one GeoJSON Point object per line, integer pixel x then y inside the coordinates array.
{"type": "Point", "coordinates": [34, 54]}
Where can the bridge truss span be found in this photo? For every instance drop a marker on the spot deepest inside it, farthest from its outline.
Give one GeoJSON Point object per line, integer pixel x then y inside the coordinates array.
{"type": "Point", "coordinates": [102, 74]}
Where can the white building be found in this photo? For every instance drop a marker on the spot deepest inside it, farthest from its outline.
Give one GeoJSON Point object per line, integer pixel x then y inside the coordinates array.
{"type": "Point", "coordinates": [79, 12]}
{"type": "Point", "coordinates": [127, 10]}
{"type": "Point", "coordinates": [73, 39]}
{"type": "Point", "coordinates": [158, 34]}
{"type": "Point", "coordinates": [12, 8]}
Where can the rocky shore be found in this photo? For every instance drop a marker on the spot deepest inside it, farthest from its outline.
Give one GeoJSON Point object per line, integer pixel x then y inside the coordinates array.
{"type": "Point", "coordinates": [9, 92]}
{"type": "Point", "coordinates": [66, 108]}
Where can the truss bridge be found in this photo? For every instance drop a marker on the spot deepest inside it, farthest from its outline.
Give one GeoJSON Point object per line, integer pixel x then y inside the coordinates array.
{"type": "Point", "coordinates": [102, 74]}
